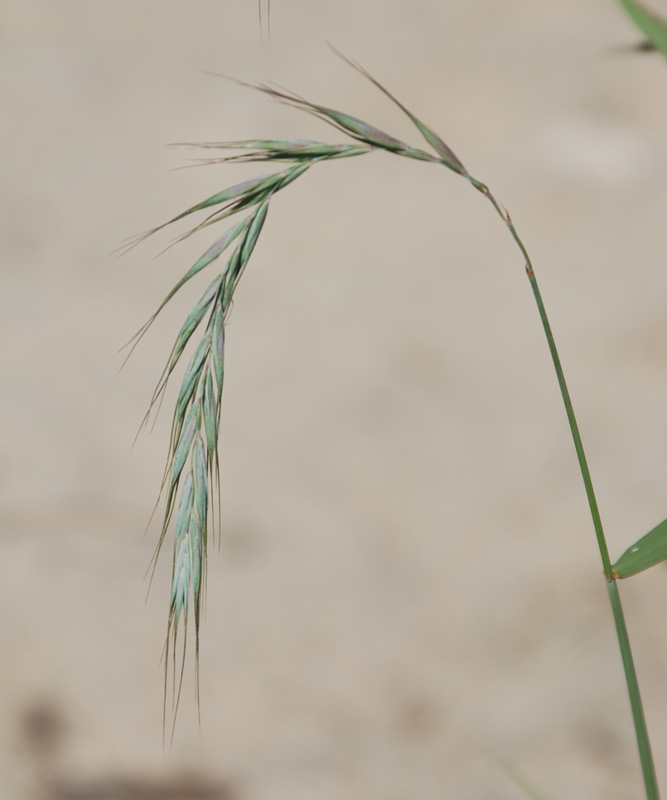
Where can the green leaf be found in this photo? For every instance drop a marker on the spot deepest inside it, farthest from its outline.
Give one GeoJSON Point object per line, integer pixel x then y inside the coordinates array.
{"type": "Point", "coordinates": [648, 551]}
{"type": "Point", "coordinates": [649, 23]}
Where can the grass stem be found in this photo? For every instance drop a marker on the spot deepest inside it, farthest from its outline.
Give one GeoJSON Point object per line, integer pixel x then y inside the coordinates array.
{"type": "Point", "coordinates": [643, 742]}
{"type": "Point", "coordinates": [641, 731]}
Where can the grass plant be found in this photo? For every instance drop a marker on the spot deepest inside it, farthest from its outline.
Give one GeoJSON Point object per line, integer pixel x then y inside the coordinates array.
{"type": "Point", "coordinates": [191, 476]}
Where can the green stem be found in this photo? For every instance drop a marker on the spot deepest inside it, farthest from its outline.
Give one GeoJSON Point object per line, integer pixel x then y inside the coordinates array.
{"type": "Point", "coordinates": [574, 427]}
{"type": "Point", "coordinates": [643, 743]}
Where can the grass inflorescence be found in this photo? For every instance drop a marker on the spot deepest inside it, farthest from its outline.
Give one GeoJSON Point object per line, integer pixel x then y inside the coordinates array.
{"type": "Point", "coordinates": [192, 472]}
{"type": "Point", "coordinates": [191, 476]}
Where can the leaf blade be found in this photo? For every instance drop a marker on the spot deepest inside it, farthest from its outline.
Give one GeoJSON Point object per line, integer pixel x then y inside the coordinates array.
{"type": "Point", "coordinates": [648, 22]}
{"type": "Point", "coordinates": [645, 553]}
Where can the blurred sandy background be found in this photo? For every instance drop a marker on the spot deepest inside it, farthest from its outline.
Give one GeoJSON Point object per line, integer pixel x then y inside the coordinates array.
{"type": "Point", "coordinates": [408, 594]}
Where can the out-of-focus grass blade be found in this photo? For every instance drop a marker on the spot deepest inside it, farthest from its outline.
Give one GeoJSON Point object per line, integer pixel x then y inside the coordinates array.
{"type": "Point", "coordinates": [649, 23]}
{"type": "Point", "coordinates": [268, 22]}
{"type": "Point", "coordinates": [648, 551]}
{"type": "Point", "coordinates": [524, 784]}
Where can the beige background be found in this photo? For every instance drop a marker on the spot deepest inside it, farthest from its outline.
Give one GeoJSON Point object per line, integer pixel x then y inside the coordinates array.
{"type": "Point", "coordinates": [408, 594]}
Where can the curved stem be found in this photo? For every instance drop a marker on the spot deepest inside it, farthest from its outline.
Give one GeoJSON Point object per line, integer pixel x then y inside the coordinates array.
{"type": "Point", "coordinates": [643, 743]}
